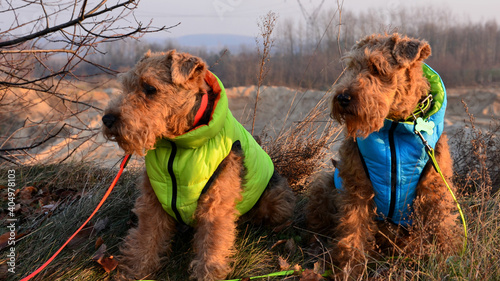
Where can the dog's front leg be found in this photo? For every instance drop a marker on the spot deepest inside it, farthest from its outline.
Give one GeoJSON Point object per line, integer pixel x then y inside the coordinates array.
{"type": "Point", "coordinates": [357, 228]}
{"type": "Point", "coordinates": [144, 245]}
{"type": "Point", "coordinates": [216, 216]}
{"type": "Point", "coordinates": [434, 206]}
{"type": "Point", "coordinates": [356, 232]}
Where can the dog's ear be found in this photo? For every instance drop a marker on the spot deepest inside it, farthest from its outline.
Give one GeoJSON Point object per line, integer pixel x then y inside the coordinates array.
{"type": "Point", "coordinates": [185, 67]}
{"type": "Point", "coordinates": [126, 79]}
{"type": "Point", "coordinates": [407, 50]}
{"type": "Point", "coordinates": [377, 62]}
{"type": "Point", "coordinates": [146, 55]}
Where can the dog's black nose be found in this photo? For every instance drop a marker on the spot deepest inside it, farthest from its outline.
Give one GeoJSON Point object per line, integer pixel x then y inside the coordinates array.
{"type": "Point", "coordinates": [344, 99]}
{"type": "Point", "coordinates": [108, 120]}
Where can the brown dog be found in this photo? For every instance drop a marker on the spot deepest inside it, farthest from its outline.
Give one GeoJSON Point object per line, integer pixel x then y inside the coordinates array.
{"type": "Point", "coordinates": [203, 168]}
{"type": "Point", "coordinates": [385, 191]}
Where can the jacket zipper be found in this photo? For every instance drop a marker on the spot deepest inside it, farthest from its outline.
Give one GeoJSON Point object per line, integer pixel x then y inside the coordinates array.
{"type": "Point", "coordinates": [394, 175]}
{"type": "Point", "coordinates": [170, 168]}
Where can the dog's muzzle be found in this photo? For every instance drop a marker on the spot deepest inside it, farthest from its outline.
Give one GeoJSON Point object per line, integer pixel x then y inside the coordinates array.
{"type": "Point", "coordinates": [344, 99]}
{"type": "Point", "coordinates": [109, 120]}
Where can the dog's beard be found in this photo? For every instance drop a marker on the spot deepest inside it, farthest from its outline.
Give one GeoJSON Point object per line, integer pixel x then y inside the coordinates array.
{"type": "Point", "coordinates": [358, 122]}
{"type": "Point", "coordinates": [131, 138]}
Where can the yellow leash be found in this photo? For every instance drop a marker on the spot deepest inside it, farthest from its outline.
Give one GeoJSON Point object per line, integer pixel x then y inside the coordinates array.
{"type": "Point", "coordinates": [421, 123]}
{"type": "Point", "coordinates": [279, 274]}
{"type": "Point", "coordinates": [430, 152]}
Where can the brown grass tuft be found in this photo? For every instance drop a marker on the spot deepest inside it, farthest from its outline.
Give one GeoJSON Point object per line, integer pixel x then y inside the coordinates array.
{"type": "Point", "coordinates": [301, 150]}
{"type": "Point", "coordinates": [477, 156]}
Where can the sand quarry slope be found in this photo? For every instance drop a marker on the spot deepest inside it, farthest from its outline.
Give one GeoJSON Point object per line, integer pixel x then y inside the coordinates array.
{"type": "Point", "coordinates": [276, 105]}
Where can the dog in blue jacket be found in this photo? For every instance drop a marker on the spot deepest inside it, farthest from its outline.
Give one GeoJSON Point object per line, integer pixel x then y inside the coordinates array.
{"type": "Point", "coordinates": [385, 190]}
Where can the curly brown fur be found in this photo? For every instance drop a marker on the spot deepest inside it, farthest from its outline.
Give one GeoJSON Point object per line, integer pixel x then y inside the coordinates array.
{"type": "Point", "coordinates": [356, 230]}
{"type": "Point", "coordinates": [383, 80]}
{"type": "Point", "coordinates": [322, 209]}
{"type": "Point", "coordinates": [160, 98]}
{"type": "Point", "coordinates": [275, 205]}
{"type": "Point", "coordinates": [216, 217]}
{"type": "Point", "coordinates": [144, 245]}
{"type": "Point", "coordinates": [434, 208]}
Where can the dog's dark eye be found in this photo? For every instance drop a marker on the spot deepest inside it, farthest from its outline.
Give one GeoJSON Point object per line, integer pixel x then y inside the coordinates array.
{"type": "Point", "coordinates": [148, 89]}
{"type": "Point", "coordinates": [373, 69]}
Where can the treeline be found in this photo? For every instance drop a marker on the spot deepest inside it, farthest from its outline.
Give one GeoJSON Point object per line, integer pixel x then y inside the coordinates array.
{"type": "Point", "coordinates": [309, 55]}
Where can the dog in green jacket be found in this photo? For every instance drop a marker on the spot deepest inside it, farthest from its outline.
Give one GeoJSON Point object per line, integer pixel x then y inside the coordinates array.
{"type": "Point", "coordinates": [203, 169]}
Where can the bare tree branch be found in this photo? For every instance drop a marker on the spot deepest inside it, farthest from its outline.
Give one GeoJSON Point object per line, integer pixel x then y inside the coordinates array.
{"type": "Point", "coordinates": [36, 51]}
{"type": "Point", "coordinates": [92, 13]}
{"type": "Point", "coordinates": [47, 110]}
{"type": "Point", "coordinates": [36, 144]}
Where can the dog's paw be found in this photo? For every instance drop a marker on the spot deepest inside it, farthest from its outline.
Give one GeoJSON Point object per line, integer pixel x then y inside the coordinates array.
{"type": "Point", "coordinates": [208, 271]}
{"type": "Point", "coordinates": [131, 268]}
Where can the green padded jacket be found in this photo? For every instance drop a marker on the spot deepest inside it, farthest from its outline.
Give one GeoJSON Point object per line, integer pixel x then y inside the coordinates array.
{"type": "Point", "coordinates": [180, 168]}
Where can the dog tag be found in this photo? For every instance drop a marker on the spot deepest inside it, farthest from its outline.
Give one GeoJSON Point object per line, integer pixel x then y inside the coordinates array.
{"type": "Point", "coordinates": [423, 125]}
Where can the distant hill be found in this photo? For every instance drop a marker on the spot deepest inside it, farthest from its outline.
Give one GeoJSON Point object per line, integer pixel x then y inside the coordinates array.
{"type": "Point", "coordinates": [215, 42]}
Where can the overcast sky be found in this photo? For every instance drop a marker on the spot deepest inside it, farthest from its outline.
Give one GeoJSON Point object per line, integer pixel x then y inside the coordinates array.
{"type": "Point", "coordinates": [240, 17]}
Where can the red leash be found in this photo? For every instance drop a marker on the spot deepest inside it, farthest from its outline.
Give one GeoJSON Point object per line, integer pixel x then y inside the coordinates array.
{"type": "Point", "coordinates": [122, 166]}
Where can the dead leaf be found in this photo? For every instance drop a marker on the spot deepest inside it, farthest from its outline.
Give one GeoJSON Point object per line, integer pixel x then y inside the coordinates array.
{"type": "Point", "coordinates": [245, 279]}
{"type": "Point", "coordinates": [25, 210]}
{"type": "Point", "coordinates": [45, 201]}
{"type": "Point", "coordinates": [4, 271]}
{"type": "Point", "coordinates": [99, 242]}
{"type": "Point", "coordinates": [290, 245]}
{"type": "Point", "coordinates": [26, 193]}
{"type": "Point", "coordinates": [101, 224]}
{"type": "Point", "coordinates": [99, 254]}
{"type": "Point", "coordinates": [297, 269]}
{"type": "Point", "coordinates": [108, 263]}
{"type": "Point", "coordinates": [81, 237]}
{"type": "Point", "coordinates": [317, 268]}
{"type": "Point", "coordinates": [19, 236]}
{"type": "Point", "coordinates": [49, 207]}
{"type": "Point", "coordinates": [284, 265]}
{"type": "Point", "coordinates": [4, 240]}
{"type": "Point", "coordinates": [310, 275]}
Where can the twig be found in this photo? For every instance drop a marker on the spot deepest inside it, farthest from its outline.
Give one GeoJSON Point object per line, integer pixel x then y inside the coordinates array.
{"type": "Point", "coordinates": [37, 51]}
{"type": "Point", "coordinates": [46, 31]}
{"type": "Point", "coordinates": [266, 29]}
{"type": "Point", "coordinates": [34, 145]}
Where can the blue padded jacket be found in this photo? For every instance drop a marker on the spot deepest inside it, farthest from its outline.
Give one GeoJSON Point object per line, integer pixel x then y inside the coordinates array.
{"type": "Point", "coordinates": [395, 157]}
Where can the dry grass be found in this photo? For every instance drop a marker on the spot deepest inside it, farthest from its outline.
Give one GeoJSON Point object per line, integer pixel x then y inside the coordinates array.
{"type": "Point", "coordinates": [45, 233]}
{"type": "Point", "coordinates": [303, 148]}
{"type": "Point", "coordinates": [477, 155]}
{"type": "Point", "coordinates": [297, 152]}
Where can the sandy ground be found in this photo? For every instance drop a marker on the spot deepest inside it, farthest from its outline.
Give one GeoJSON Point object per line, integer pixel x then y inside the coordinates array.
{"type": "Point", "coordinates": [482, 103]}
{"type": "Point", "coordinates": [278, 108]}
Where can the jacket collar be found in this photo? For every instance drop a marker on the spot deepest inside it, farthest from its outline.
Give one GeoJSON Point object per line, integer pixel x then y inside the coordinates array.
{"type": "Point", "coordinates": [200, 135]}
{"type": "Point", "coordinates": [435, 113]}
